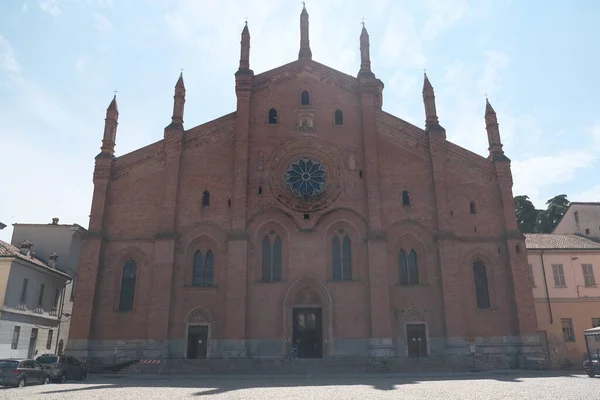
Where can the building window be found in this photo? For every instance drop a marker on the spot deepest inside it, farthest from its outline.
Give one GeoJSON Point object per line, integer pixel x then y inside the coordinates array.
{"type": "Point", "coordinates": [567, 329]}
{"type": "Point", "coordinates": [272, 255]}
{"type": "Point", "coordinates": [341, 251]}
{"type": "Point", "coordinates": [73, 285]}
{"type": "Point", "coordinates": [531, 276]}
{"type": "Point", "coordinates": [472, 207]}
{"type": "Point", "coordinates": [518, 249]}
{"type": "Point", "coordinates": [61, 344]}
{"type": "Point", "coordinates": [128, 285]}
{"type": "Point", "coordinates": [559, 275]}
{"type": "Point", "coordinates": [57, 293]}
{"type": "Point", "coordinates": [305, 98]}
{"type": "Point", "coordinates": [203, 268]}
{"type": "Point", "coordinates": [587, 231]}
{"type": "Point", "coordinates": [49, 341]}
{"type": "Point", "coordinates": [588, 275]}
{"type": "Point", "coordinates": [205, 198]}
{"type": "Point", "coordinates": [24, 291]}
{"type": "Point", "coordinates": [272, 116]}
{"type": "Point", "coordinates": [338, 117]}
{"type": "Point", "coordinates": [482, 294]}
{"type": "Point", "coordinates": [41, 296]}
{"type": "Point", "coordinates": [409, 270]}
{"type": "Point", "coordinates": [595, 324]}
{"type": "Point", "coordinates": [15, 338]}
{"type": "Point", "coordinates": [405, 198]}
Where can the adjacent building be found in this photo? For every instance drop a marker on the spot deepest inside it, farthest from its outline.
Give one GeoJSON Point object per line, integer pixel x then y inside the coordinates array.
{"type": "Point", "coordinates": [564, 275]}
{"type": "Point", "coordinates": [308, 217]}
{"type": "Point", "coordinates": [581, 219]}
{"type": "Point", "coordinates": [65, 242]}
{"type": "Point", "coordinates": [31, 293]}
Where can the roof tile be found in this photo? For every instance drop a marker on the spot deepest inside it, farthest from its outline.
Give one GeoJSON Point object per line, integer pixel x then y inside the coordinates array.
{"type": "Point", "coordinates": [9, 250]}
{"type": "Point", "coordinates": [550, 241]}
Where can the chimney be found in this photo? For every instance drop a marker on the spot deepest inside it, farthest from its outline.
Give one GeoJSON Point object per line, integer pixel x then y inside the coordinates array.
{"type": "Point", "coordinates": [2, 226]}
{"type": "Point", "coordinates": [52, 259]}
{"type": "Point", "coordinates": [54, 221]}
{"type": "Point", "coordinates": [25, 247]}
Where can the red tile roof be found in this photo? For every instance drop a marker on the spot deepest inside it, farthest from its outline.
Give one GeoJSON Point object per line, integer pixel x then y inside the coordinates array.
{"type": "Point", "coordinates": [9, 251]}
{"type": "Point", "coordinates": [552, 241]}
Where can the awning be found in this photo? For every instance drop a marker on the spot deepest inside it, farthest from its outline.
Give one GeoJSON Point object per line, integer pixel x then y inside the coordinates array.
{"type": "Point", "coordinates": [592, 332]}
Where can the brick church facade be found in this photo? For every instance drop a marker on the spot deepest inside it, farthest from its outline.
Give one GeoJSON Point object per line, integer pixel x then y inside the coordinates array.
{"type": "Point", "coordinates": [308, 218]}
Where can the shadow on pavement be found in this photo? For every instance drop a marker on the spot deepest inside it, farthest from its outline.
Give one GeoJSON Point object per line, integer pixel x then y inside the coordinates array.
{"type": "Point", "coordinates": [212, 385]}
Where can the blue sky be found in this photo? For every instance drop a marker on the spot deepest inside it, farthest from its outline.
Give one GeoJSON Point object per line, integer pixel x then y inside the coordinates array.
{"type": "Point", "coordinates": [61, 60]}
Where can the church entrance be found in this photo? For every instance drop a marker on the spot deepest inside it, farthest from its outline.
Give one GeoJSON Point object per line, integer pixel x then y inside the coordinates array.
{"type": "Point", "coordinates": [308, 332]}
{"type": "Point", "coordinates": [197, 343]}
{"type": "Point", "coordinates": [416, 338]}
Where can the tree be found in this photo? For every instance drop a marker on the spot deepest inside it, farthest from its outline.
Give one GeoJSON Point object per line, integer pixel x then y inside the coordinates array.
{"type": "Point", "coordinates": [556, 208]}
{"type": "Point", "coordinates": [532, 220]}
{"type": "Point", "coordinates": [526, 214]}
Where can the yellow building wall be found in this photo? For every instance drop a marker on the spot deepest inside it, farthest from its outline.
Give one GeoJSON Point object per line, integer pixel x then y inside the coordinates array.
{"type": "Point", "coordinates": [581, 311]}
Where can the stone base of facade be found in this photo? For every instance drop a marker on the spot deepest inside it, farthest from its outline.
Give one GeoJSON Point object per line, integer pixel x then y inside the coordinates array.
{"type": "Point", "coordinates": [450, 353]}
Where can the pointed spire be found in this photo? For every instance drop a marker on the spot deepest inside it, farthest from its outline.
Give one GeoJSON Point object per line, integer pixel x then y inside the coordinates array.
{"type": "Point", "coordinates": [493, 133]}
{"type": "Point", "coordinates": [304, 41]}
{"type": "Point", "coordinates": [365, 57]}
{"type": "Point", "coordinates": [427, 84]}
{"type": "Point", "coordinates": [180, 81]}
{"type": "Point", "coordinates": [245, 49]}
{"type": "Point", "coordinates": [431, 119]}
{"type": "Point", "coordinates": [178, 103]}
{"type": "Point", "coordinates": [110, 129]}
{"type": "Point", "coordinates": [113, 104]}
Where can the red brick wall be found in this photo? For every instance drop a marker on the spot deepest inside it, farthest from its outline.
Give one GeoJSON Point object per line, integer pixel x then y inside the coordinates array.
{"type": "Point", "coordinates": [135, 198]}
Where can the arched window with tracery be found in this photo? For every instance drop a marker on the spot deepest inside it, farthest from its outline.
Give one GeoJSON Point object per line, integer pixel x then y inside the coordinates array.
{"type": "Point", "coordinates": [341, 251]}
{"type": "Point", "coordinates": [482, 293]}
{"type": "Point", "coordinates": [272, 257]}
{"type": "Point", "coordinates": [409, 269]}
{"type": "Point", "coordinates": [203, 271]}
{"type": "Point", "coordinates": [128, 280]}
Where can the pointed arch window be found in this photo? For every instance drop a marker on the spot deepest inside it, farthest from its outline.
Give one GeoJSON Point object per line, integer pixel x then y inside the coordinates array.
{"type": "Point", "coordinates": [203, 272]}
{"type": "Point", "coordinates": [482, 294]}
{"type": "Point", "coordinates": [409, 269]}
{"type": "Point", "coordinates": [128, 280]}
{"type": "Point", "coordinates": [305, 98]}
{"type": "Point", "coordinates": [472, 207]}
{"type": "Point", "coordinates": [405, 198]}
{"type": "Point", "coordinates": [272, 255]}
{"type": "Point", "coordinates": [272, 116]}
{"type": "Point", "coordinates": [205, 198]}
{"type": "Point", "coordinates": [338, 117]}
{"type": "Point", "coordinates": [341, 251]}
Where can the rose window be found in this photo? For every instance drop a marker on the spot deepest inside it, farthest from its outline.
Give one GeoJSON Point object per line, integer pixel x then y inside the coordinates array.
{"type": "Point", "coordinates": [306, 177]}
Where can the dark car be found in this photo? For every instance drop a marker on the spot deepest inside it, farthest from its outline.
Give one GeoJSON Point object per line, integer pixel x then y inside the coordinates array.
{"type": "Point", "coordinates": [20, 372]}
{"type": "Point", "coordinates": [591, 365]}
{"type": "Point", "coordinates": [61, 368]}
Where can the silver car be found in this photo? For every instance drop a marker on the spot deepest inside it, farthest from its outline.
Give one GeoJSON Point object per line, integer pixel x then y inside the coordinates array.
{"type": "Point", "coordinates": [61, 368]}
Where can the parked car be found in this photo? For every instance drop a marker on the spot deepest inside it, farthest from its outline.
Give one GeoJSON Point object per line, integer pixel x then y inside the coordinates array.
{"type": "Point", "coordinates": [20, 372]}
{"type": "Point", "coordinates": [591, 365]}
{"type": "Point", "coordinates": [61, 368]}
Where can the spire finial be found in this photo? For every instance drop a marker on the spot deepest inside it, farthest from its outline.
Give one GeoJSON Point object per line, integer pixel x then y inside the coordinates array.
{"type": "Point", "coordinates": [115, 92]}
{"type": "Point", "coordinates": [304, 41]}
{"type": "Point", "coordinates": [362, 21]}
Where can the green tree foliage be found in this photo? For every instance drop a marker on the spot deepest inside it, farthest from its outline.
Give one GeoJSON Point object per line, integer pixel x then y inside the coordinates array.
{"type": "Point", "coordinates": [532, 220]}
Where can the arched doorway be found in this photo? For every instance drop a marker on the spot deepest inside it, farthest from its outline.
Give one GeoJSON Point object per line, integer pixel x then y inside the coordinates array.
{"type": "Point", "coordinates": [416, 333]}
{"type": "Point", "coordinates": [307, 319]}
{"type": "Point", "coordinates": [198, 324]}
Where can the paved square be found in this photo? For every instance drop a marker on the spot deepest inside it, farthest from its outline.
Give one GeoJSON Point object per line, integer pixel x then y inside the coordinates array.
{"type": "Point", "coordinates": [449, 386]}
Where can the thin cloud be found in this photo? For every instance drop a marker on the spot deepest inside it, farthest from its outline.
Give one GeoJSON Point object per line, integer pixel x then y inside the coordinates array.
{"type": "Point", "coordinates": [50, 7]}
{"type": "Point", "coordinates": [103, 24]}
{"type": "Point", "coordinates": [8, 61]}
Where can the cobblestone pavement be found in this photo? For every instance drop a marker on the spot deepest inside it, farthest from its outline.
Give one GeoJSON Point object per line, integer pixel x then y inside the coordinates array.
{"type": "Point", "coordinates": [364, 387]}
